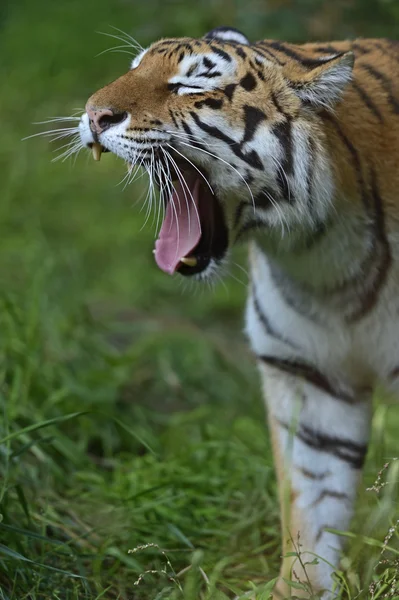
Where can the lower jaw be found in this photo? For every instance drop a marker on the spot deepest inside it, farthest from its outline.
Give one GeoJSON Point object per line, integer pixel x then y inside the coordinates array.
{"type": "Point", "coordinates": [206, 273]}
{"type": "Point", "coordinates": [207, 261]}
{"type": "Point", "coordinates": [202, 263]}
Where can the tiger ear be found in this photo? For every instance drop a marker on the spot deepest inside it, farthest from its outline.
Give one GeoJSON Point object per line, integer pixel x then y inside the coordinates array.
{"type": "Point", "coordinates": [324, 85]}
{"type": "Point", "coordinates": [227, 34]}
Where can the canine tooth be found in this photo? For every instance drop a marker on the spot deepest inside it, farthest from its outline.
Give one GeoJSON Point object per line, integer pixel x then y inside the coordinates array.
{"type": "Point", "coordinates": [190, 261]}
{"type": "Point", "coordinates": [96, 149]}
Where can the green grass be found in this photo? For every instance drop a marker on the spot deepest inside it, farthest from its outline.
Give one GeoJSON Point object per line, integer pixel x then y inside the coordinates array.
{"type": "Point", "coordinates": [131, 410]}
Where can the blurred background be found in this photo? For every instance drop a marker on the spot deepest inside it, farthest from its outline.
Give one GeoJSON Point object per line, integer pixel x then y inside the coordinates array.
{"type": "Point", "coordinates": [131, 408]}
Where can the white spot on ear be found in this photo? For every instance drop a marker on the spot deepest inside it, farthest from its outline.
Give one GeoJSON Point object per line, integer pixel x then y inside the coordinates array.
{"type": "Point", "coordinates": [227, 34]}
{"type": "Point", "coordinates": [136, 61]}
{"type": "Point", "coordinates": [326, 83]}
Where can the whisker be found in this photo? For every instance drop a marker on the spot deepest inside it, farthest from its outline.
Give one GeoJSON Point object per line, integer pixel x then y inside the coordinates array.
{"type": "Point", "coordinates": [56, 120]}
{"type": "Point", "coordinates": [124, 40]}
{"type": "Point", "coordinates": [189, 137]}
{"type": "Point", "coordinates": [168, 185]}
{"type": "Point", "coordinates": [283, 219]}
{"type": "Point", "coordinates": [115, 50]}
{"type": "Point", "coordinates": [128, 36]}
{"type": "Point", "coordinates": [226, 163]}
{"type": "Point", "coordinates": [184, 185]}
{"type": "Point", "coordinates": [281, 170]}
{"type": "Point", "coordinates": [69, 152]}
{"type": "Point", "coordinates": [242, 269]}
{"type": "Point", "coordinates": [194, 166]}
{"type": "Point", "coordinates": [69, 144]}
{"type": "Point", "coordinates": [61, 132]}
{"type": "Point", "coordinates": [172, 202]}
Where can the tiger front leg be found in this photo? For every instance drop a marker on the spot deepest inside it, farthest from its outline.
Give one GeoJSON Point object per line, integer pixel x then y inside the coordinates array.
{"type": "Point", "coordinates": [319, 444]}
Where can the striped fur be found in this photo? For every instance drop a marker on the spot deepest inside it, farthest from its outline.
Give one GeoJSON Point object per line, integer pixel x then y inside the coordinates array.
{"type": "Point", "coordinates": [301, 145]}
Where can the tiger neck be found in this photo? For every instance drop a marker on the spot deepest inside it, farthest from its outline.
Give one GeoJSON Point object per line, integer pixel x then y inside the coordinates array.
{"type": "Point", "coordinates": [343, 250]}
{"type": "Point", "coordinates": [350, 247]}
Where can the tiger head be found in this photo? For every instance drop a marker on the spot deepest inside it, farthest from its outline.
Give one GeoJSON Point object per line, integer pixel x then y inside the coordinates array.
{"type": "Point", "coordinates": [231, 137]}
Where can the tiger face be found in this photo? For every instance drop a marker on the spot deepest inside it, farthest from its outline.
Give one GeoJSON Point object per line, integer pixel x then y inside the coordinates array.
{"type": "Point", "coordinates": [231, 137]}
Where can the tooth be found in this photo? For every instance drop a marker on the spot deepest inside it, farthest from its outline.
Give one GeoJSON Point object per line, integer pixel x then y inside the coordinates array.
{"type": "Point", "coordinates": [190, 261]}
{"type": "Point", "coordinates": [96, 149]}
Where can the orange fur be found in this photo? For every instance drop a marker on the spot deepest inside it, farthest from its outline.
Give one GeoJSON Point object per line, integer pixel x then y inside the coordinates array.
{"type": "Point", "coordinates": [360, 133]}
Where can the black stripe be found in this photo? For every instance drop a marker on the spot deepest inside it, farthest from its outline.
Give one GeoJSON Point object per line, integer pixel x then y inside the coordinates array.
{"type": "Point", "coordinates": [240, 52]}
{"type": "Point", "coordinates": [189, 72]}
{"type": "Point", "coordinates": [367, 265]}
{"type": "Point", "coordinates": [220, 53]}
{"type": "Point", "coordinates": [388, 48]}
{"type": "Point", "coordinates": [267, 326]}
{"type": "Point", "coordinates": [386, 84]}
{"type": "Point", "coordinates": [229, 90]}
{"type": "Point", "coordinates": [311, 156]}
{"type": "Point", "coordinates": [209, 75]}
{"type": "Point", "coordinates": [172, 116]}
{"type": "Point", "coordinates": [327, 116]}
{"type": "Point", "coordinates": [334, 441]}
{"type": "Point", "coordinates": [192, 141]}
{"type": "Point", "coordinates": [257, 70]}
{"type": "Point", "coordinates": [174, 87]}
{"type": "Point", "coordinates": [380, 250]}
{"type": "Point", "coordinates": [304, 61]}
{"type": "Point", "coordinates": [312, 474]}
{"type": "Point", "coordinates": [145, 129]}
{"type": "Point", "coordinates": [145, 140]}
{"type": "Point", "coordinates": [309, 373]}
{"type": "Point", "coordinates": [253, 117]}
{"type": "Point", "coordinates": [239, 210]}
{"type": "Point", "coordinates": [264, 199]}
{"type": "Point", "coordinates": [283, 132]}
{"type": "Point", "coordinates": [250, 158]}
{"type": "Point", "coordinates": [266, 53]}
{"type": "Point", "coordinates": [214, 103]}
{"type": "Point", "coordinates": [294, 295]}
{"type": "Point", "coordinates": [208, 63]}
{"type": "Point", "coordinates": [368, 101]}
{"type": "Point", "coordinates": [327, 49]}
{"type": "Point", "coordinates": [276, 102]}
{"type": "Point", "coordinates": [330, 494]}
{"type": "Point", "coordinates": [188, 47]}
{"type": "Point", "coordinates": [350, 452]}
{"type": "Point", "coordinates": [393, 49]}
{"type": "Point", "coordinates": [360, 48]}
{"type": "Point", "coordinates": [187, 128]}
{"type": "Point", "coordinates": [385, 258]}
{"type": "Point", "coordinates": [168, 43]}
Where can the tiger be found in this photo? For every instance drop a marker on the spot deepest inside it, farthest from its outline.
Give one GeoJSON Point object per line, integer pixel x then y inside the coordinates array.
{"type": "Point", "coordinates": [292, 149]}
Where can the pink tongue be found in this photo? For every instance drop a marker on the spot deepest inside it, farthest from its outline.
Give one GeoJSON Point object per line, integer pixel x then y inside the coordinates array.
{"type": "Point", "coordinates": [181, 229]}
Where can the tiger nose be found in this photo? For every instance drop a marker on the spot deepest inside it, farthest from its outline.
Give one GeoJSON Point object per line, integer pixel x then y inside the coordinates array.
{"type": "Point", "coordinates": [104, 118]}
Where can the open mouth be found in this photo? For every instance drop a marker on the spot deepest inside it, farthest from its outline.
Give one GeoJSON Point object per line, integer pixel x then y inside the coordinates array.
{"type": "Point", "coordinates": [194, 231]}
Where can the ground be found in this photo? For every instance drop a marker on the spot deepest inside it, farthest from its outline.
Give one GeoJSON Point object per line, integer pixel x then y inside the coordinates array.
{"type": "Point", "coordinates": [132, 415]}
